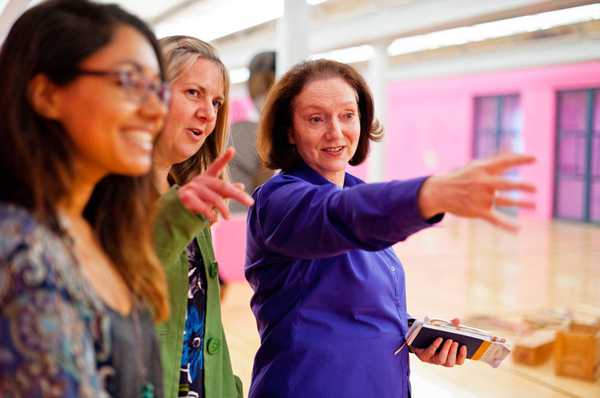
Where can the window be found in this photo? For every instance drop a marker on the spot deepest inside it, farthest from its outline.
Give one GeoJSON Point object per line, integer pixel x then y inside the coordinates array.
{"type": "Point", "coordinates": [497, 125]}
{"type": "Point", "coordinates": [577, 175]}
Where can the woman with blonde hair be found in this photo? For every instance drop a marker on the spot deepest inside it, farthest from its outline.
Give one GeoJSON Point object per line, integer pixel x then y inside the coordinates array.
{"type": "Point", "coordinates": [190, 164]}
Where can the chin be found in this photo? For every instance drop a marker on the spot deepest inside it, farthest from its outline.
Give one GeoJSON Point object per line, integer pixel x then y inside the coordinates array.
{"type": "Point", "coordinates": [135, 169]}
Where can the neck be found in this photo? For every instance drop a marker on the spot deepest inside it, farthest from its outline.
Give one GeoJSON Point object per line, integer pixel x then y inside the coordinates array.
{"type": "Point", "coordinates": [161, 173]}
{"type": "Point", "coordinates": [82, 186]}
{"type": "Point", "coordinates": [337, 179]}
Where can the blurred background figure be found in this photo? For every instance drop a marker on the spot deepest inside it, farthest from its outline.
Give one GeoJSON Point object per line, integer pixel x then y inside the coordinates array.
{"type": "Point", "coordinates": [246, 167]}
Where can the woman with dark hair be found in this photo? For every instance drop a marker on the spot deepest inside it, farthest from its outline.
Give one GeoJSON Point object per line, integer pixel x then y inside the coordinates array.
{"type": "Point", "coordinates": [79, 281]}
{"type": "Point", "coordinates": [329, 292]}
{"type": "Point", "coordinates": [191, 162]}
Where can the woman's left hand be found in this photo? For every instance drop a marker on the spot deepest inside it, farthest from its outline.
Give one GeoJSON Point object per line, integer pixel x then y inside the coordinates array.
{"type": "Point", "coordinates": [448, 355]}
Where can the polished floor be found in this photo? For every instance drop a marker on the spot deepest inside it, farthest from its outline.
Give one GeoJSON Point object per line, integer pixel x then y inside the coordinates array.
{"type": "Point", "coordinates": [469, 270]}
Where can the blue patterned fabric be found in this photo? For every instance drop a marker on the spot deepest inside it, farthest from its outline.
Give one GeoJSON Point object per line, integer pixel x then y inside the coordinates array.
{"type": "Point", "coordinates": [191, 382]}
{"type": "Point", "coordinates": [53, 332]}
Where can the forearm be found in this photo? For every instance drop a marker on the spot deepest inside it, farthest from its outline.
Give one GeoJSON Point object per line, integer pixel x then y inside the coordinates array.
{"type": "Point", "coordinates": [174, 227]}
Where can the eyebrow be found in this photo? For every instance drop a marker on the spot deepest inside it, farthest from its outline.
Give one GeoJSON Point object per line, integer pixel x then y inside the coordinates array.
{"type": "Point", "coordinates": [137, 67]}
{"type": "Point", "coordinates": [202, 88]}
{"type": "Point", "coordinates": [348, 104]}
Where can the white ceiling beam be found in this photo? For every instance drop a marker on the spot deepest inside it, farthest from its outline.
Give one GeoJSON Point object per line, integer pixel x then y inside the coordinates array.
{"type": "Point", "coordinates": [383, 25]}
{"type": "Point", "coordinates": [551, 51]}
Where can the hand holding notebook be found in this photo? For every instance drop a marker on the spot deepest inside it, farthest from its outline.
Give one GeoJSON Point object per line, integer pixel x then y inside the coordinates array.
{"type": "Point", "coordinates": [480, 345]}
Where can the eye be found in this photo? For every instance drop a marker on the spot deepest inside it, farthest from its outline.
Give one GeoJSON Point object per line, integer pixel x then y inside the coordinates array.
{"type": "Point", "coordinates": [217, 104]}
{"type": "Point", "coordinates": [349, 115]}
{"type": "Point", "coordinates": [127, 78]}
{"type": "Point", "coordinates": [314, 119]}
{"type": "Point", "coordinates": [192, 92]}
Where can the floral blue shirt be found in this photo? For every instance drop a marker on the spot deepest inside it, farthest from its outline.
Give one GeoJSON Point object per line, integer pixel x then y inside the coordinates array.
{"type": "Point", "coordinates": [191, 382]}
{"type": "Point", "coordinates": [53, 333]}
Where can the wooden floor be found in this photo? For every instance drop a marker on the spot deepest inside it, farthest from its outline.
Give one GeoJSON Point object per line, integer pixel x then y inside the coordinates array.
{"type": "Point", "coordinates": [468, 270]}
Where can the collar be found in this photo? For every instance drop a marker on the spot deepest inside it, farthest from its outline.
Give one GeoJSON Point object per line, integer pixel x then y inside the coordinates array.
{"type": "Point", "coordinates": [305, 172]}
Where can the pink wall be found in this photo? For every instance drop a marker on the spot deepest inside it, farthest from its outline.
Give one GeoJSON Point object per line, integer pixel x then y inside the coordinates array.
{"type": "Point", "coordinates": [430, 127]}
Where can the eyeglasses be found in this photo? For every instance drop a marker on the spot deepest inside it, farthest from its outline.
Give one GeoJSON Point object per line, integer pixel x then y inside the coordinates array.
{"type": "Point", "coordinates": [136, 86]}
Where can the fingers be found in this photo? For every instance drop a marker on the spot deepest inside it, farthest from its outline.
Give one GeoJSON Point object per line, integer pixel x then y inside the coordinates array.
{"type": "Point", "coordinates": [426, 354]}
{"type": "Point", "coordinates": [442, 355]}
{"type": "Point", "coordinates": [237, 193]}
{"type": "Point", "coordinates": [504, 184]}
{"type": "Point", "coordinates": [495, 219]}
{"type": "Point", "coordinates": [462, 355]}
{"type": "Point", "coordinates": [452, 356]}
{"type": "Point", "coordinates": [197, 206]}
{"type": "Point", "coordinates": [499, 164]}
{"type": "Point", "coordinates": [217, 167]}
{"type": "Point", "coordinates": [508, 202]}
{"type": "Point", "coordinates": [455, 322]}
{"type": "Point", "coordinates": [214, 200]}
{"type": "Point", "coordinates": [223, 189]}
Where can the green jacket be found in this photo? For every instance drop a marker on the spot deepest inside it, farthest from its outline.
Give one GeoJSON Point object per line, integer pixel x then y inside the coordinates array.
{"type": "Point", "coordinates": [175, 228]}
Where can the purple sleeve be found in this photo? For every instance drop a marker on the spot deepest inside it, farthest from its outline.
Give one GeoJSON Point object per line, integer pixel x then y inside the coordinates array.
{"type": "Point", "coordinates": [299, 219]}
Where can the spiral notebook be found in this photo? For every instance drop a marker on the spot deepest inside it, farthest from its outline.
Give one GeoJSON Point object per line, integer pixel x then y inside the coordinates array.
{"type": "Point", "coordinates": [481, 345]}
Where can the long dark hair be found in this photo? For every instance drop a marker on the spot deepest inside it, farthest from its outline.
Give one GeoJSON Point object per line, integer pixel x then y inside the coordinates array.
{"type": "Point", "coordinates": [36, 165]}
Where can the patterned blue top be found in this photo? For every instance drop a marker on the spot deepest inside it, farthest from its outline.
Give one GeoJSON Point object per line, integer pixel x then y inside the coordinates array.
{"type": "Point", "coordinates": [191, 382]}
{"type": "Point", "coordinates": [329, 291]}
{"type": "Point", "coordinates": [53, 332]}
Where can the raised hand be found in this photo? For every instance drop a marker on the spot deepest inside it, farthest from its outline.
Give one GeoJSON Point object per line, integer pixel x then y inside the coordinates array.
{"type": "Point", "coordinates": [473, 190]}
{"type": "Point", "coordinates": [206, 193]}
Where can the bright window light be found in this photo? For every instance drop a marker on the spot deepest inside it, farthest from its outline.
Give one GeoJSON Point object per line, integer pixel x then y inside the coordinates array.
{"type": "Point", "coordinates": [348, 55]}
{"type": "Point", "coordinates": [315, 2]}
{"type": "Point", "coordinates": [239, 75]}
{"type": "Point", "coordinates": [491, 30]}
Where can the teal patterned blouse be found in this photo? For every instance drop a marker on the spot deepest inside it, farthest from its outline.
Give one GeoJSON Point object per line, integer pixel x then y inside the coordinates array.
{"type": "Point", "coordinates": [53, 329]}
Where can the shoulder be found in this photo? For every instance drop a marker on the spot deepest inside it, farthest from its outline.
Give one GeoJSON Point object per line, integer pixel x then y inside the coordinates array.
{"type": "Point", "coordinates": [18, 228]}
{"type": "Point", "coordinates": [281, 184]}
{"type": "Point", "coordinates": [32, 257]}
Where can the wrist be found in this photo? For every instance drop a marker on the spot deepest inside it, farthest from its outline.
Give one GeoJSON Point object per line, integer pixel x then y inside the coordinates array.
{"type": "Point", "coordinates": [429, 203]}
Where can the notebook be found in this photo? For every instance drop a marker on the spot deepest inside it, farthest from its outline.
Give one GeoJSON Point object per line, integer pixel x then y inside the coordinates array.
{"type": "Point", "coordinates": [481, 345]}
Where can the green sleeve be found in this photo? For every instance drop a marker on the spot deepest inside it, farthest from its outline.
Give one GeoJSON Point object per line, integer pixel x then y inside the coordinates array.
{"type": "Point", "coordinates": [239, 386]}
{"type": "Point", "coordinates": [175, 227]}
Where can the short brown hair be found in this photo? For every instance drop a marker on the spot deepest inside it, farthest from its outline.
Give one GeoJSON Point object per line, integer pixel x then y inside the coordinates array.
{"type": "Point", "coordinates": [178, 53]}
{"type": "Point", "coordinates": [276, 122]}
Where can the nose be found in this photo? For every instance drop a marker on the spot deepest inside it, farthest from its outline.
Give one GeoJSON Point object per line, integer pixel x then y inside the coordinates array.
{"type": "Point", "coordinates": [206, 111]}
{"type": "Point", "coordinates": [334, 129]}
{"type": "Point", "coordinates": [153, 108]}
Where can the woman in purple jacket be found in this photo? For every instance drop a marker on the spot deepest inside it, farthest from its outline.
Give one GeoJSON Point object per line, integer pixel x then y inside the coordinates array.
{"type": "Point", "coordinates": [329, 292]}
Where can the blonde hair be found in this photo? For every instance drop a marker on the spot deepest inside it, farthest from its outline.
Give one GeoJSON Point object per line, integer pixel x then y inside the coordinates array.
{"type": "Point", "coordinates": [179, 52]}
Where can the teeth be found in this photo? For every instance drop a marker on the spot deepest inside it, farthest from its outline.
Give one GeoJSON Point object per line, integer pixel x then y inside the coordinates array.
{"type": "Point", "coordinates": [143, 139]}
{"type": "Point", "coordinates": [334, 149]}
{"type": "Point", "coordinates": [196, 132]}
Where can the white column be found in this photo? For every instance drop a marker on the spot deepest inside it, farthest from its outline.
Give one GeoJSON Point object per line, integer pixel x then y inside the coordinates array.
{"type": "Point", "coordinates": [377, 78]}
{"type": "Point", "coordinates": [292, 35]}
{"type": "Point", "coordinates": [12, 10]}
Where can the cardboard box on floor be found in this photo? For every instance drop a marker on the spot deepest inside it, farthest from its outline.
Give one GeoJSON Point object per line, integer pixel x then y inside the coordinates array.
{"type": "Point", "coordinates": [577, 351]}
